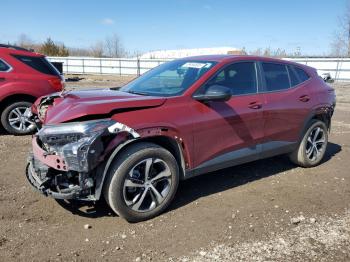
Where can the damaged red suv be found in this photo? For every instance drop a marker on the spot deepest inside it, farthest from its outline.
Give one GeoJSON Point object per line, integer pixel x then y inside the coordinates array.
{"type": "Point", "coordinates": [184, 118]}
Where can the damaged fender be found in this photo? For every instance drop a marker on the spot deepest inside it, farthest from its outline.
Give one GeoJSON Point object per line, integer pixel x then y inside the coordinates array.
{"type": "Point", "coordinates": [66, 158]}
{"type": "Point", "coordinates": [120, 142]}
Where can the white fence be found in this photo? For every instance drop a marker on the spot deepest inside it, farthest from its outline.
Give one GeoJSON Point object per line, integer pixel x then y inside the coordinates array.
{"type": "Point", "coordinates": [120, 66]}
{"type": "Point", "coordinates": [339, 68]}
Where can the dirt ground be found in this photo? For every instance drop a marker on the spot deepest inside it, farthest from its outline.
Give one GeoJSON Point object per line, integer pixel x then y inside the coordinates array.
{"type": "Point", "coordinates": [269, 210]}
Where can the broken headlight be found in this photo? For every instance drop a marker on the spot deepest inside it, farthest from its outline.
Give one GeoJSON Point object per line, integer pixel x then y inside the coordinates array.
{"type": "Point", "coordinates": [78, 143]}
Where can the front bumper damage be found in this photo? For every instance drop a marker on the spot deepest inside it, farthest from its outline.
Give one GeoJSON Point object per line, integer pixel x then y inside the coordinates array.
{"type": "Point", "coordinates": [50, 183]}
{"type": "Point", "coordinates": [50, 173]}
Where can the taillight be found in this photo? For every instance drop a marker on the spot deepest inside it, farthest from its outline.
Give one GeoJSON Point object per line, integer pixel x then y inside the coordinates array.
{"type": "Point", "coordinates": [56, 83]}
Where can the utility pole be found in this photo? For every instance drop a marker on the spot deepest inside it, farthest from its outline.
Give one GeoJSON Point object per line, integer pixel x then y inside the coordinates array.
{"type": "Point", "coordinates": [348, 21]}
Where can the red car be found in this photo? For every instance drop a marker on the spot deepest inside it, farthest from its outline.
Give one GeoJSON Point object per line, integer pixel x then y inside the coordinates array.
{"type": "Point", "coordinates": [24, 76]}
{"type": "Point", "coordinates": [184, 118]}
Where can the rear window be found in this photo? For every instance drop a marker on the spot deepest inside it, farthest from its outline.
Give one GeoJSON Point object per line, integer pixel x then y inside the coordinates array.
{"type": "Point", "coordinates": [301, 74]}
{"type": "Point", "coordinates": [38, 63]}
{"type": "Point", "coordinates": [3, 66]}
{"type": "Point", "coordinates": [297, 75]}
{"type": "Point", "coordinates": [276, 76]}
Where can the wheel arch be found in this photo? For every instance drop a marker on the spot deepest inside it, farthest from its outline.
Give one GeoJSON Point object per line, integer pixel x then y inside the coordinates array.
{"type": "Point", "coordinates": [16, 98]}
{"type": "Point", "coordinates": [324, 117]}
{"type": "Point", "coordinates": [323, 114]}
{"type": "Point", "coordinates": [169, 143]}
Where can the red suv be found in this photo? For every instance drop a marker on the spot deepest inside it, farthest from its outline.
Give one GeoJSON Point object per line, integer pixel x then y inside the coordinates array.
{"type": "Point", "coordinates": [24, 76]}
{"type": "Point", "coordinates": [184, 118]}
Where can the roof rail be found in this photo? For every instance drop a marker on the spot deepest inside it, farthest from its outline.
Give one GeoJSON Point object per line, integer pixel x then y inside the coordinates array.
{"type": "Point", "coordinates": [14, 47]}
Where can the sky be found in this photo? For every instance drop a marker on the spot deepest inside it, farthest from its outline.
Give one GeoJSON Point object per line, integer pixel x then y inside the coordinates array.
{"type": "Point", "coordinates": [159, 24]}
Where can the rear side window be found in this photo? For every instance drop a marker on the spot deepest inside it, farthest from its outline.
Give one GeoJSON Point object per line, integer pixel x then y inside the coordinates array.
{"type": "Point", "coordinates": [38, 63]}
{"type": "Point", "coordinates": [294, 79]}
{"type": "Point", "coordinates": [301, 74]}
{"type": "Point", "coordinates": [276, 76]}
{"type": "Point", "coordinates": [239, 77]}
{"type": "Point", "coordinates": [3, 66]}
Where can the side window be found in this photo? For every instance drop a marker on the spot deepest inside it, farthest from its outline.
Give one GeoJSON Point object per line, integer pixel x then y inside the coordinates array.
{"type": "Point", "coordinates": [39, 64]}
{"type": "Point", "coordinates": [276, 76]}
{"type": "Point", "coordinates": [302, 75]}
{"type": "Point", "coordinates": [294, 80]}
{"type": "Point", "coordinates": [297, 75]}
{"type": "Point", "coordinates": [239, 77]}
{"type": "Point", "coordinates": [3, 66]}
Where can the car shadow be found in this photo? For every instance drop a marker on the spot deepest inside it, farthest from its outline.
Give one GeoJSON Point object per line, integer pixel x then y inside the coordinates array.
{"type": "Point", "coordinates": [87, 209]}
{"type": "Point", "coordinates": [3, 131]}
{"type": "Point", "coordinates": [192, 189]}
{"type": "Point", "coordinates": [197, 187]}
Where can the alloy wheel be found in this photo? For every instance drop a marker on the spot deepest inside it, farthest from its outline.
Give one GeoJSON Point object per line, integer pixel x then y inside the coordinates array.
{"type": "Point", "coordinates": [19, 121]}
{"type": "Point", "coordinates": [147, 184]}
{"type": "Point", "coordinates": [315, 144]}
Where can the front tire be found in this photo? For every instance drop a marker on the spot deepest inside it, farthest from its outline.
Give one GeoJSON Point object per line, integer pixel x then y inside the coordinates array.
{"type": "Point", "coordinates": [14, 121]}
{"type": "Point", "coordinates": [141, 182]}
{"type": "Point", "coordinates": [313, 146]}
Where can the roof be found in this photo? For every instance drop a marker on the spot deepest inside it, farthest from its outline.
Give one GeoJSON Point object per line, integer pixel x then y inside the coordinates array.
{"type": "Point", "coordinates": [16, 50]}
{"type": "Point", "coordinates": [14, 47]}
{"type": "Point", "coordinates": [183, 52]}
{"type": "Point", "coordinates": [228, 58]}
{"type": "Point", "coordinates": [232, 58]}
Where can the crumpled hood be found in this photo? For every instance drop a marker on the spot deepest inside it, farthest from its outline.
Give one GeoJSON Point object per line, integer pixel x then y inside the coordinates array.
{"type": "Point", "coordinates": [105, 102]}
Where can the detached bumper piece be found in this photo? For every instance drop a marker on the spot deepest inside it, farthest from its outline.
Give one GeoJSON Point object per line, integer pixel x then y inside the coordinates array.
{"type": "Point", "coordinates": [59, 184]}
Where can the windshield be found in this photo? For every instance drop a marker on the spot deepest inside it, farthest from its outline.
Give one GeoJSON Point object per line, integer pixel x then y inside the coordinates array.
{"type": "Point", "coordinates": [169, 79]}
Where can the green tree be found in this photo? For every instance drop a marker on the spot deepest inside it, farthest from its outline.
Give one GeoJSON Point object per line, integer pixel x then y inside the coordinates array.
{"type": "Point", "coordinates": [50, 48]}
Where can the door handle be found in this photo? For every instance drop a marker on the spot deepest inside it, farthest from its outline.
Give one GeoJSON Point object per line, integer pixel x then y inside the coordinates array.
{"type": "Point", "coordinates": [304, 98]}
{"type": "Point", "coordinates": [255, 105]}
{"type": "Point", "coordinates": [2, 79]}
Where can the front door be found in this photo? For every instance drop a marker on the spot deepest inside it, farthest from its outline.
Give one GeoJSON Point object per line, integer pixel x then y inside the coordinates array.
{"type": "Point", "coordinates": [225, 132]}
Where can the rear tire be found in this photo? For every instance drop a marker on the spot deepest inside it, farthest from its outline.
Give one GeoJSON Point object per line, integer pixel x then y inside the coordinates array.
{"type": "Point", "coordinates": [13, 120]}
{"type": "Point", "coordinates": [141, 182]}
{"type": "Point", "coordinates": [313, 145]}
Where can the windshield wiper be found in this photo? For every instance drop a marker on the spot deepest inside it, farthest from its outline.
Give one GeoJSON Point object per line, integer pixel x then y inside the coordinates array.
{"type": "Point", "coordinates": [137, 93]}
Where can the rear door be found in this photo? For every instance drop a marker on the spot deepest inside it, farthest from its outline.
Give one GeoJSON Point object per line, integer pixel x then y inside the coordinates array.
{"type": "Point", "coordinates": [287, 103]}
{"type": "Point", "coordinates": [225, 132]}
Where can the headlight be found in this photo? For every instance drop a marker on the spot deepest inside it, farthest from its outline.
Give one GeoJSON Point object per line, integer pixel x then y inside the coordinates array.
{"type": "Point", "coordinates": [77, 142]}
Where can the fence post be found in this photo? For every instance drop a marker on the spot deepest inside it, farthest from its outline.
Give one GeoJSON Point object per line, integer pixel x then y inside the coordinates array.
{"type": "Point", "coordinates": [138, 67]}
{"type": "Point", "coordinates": [120, 67]}
{"type": "Point", "coordinates": [100, 66]}
{"type": "Point", "coordinates": [336, 71]}
{"type": "Point", "coordinates": [83, 66]}
{"type": "Point", "coordinates": [67, 65]}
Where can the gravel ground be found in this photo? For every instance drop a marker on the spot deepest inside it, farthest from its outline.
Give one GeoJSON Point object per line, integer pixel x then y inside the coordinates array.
{"type": "Point", "coordinates": [96, 81]}
{"type": "Point", "coordinates": [268, 210]}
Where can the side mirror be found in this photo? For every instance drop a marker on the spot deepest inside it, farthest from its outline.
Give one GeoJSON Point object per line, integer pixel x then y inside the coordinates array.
{"type": "Point", "coordinates": [180, 71]}
{"type": "Point", "coordinates": [327, 78]}
{"type": "Point", "coordinates": [214, 93]}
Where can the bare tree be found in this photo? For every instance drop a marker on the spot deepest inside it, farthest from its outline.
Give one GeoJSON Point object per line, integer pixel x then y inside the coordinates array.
{"type": "Point", "coordinates": [97, 49]}
{"type": "Point", "coordinates": [340, 45]}
{"type": "Point", "coordinates": [257, 51]}
{"type": "Point", "coordinates": [73, 51]}
{"type": "Point", "coordinates": [279, 52]}
{"type": "Point", "coordinates": [113, 46]}
{"type": "Point", "coordinates": [26, 42]}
